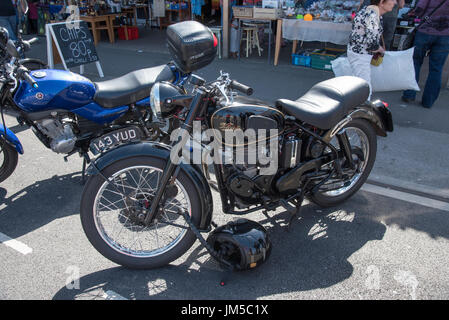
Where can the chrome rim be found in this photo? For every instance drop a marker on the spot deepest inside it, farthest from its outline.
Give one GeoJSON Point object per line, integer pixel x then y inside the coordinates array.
{"type": "Point", "coordinates": [2, 157]}
{"type": "Point", "coordinates": [357, 139]}
{"type": "Point", "coordinates": [115, 213]}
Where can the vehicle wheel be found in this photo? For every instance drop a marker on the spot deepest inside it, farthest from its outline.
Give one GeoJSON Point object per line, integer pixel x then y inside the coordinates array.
{"type": "Point", "coordinates": [110, 219]}
{"type": "Point", "coordinates": [363, 139]}
{"type": "Point", "coordinates": [8, 159]}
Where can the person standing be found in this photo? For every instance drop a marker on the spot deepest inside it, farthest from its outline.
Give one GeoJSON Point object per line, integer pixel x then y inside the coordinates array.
{"type": "Point", "coordinates": [390, 20]}
{"type": "Point", "coordinates": [33, 15]}
{"type": "Point", "coordinates": [433, 37]}
{"type": "Point", "coordinates": [8, 18]}
{"type": "Point", "coordinates": [365, 38]}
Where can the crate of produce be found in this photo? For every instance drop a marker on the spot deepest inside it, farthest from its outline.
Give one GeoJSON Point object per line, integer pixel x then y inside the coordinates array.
{"type": "Point", "coordinates": [301, 60]}
{"type": "Point", "coordinates": [266, 13]}
{"type": "Point", "coordinates": [321, 59]}
{"type": "Point", "coordinates": [242, 12]}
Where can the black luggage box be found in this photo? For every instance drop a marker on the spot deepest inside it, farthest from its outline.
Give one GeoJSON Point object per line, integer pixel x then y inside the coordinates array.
{"type": "Point", "coordinates": [191, 44]}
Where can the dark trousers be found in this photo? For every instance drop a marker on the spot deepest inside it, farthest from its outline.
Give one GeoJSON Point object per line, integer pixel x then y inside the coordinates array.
{"type": "Point", "coordinates": [439, 50]}
{"type": "Point", "coordinates": [389, 25]}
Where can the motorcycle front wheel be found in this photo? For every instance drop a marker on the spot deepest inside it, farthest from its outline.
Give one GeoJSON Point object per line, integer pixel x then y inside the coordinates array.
{"type": "Point", "coordinates": [363, 142]}
{"type": "Point", "coordinates": [8, 159]}
{"type": "Point", "coordinates": [110, 214]}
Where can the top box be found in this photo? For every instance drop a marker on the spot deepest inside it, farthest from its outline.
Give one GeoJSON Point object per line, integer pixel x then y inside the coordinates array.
{"type": "Point", "coordinates": [191, 44]}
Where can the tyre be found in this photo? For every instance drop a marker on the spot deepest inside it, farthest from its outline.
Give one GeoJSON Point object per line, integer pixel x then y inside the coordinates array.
{"type": "Point", "coordinates": [110, 219]}
{"type": "Point", "coordinates": [363, 141]}
{"type": "Point", "coordinates": [8, 159]}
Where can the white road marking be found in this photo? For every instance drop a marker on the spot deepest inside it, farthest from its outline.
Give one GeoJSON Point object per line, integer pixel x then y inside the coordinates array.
{"type": "Point", "coordinates": [14, 244]}
{"type": "Point", "coordinates": [412, 198]}
{"type": "Point", "coordinates": [111, 295]}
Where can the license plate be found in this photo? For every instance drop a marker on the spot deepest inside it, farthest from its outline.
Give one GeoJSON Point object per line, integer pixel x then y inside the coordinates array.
{"type": "Point", "coordinates": [114, 138]}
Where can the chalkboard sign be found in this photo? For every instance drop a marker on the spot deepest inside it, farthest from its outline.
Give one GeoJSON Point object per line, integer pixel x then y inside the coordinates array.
{"type": "Point", "coordinates": [75, 43]}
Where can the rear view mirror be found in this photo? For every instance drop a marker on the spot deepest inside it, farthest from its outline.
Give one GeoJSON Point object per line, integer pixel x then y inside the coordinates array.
{"type": "Point", "coordinates": [11, 48]}
{"type": "Point", "coordinates": [22, 7]}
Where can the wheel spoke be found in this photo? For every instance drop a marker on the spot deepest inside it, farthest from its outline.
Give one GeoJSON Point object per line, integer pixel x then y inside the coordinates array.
{"type": "Point", "coordinates": [357, 141]}
{"type": "Point", "coordinates": [117, 219]}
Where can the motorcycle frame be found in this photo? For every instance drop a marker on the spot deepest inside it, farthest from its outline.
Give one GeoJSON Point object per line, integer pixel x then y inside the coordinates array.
{"type": "Point", "coordinates": [198, 108]}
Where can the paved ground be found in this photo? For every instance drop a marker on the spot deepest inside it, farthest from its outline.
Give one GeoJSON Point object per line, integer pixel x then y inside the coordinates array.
{"type": "Point", "coordinates": [388, 242]}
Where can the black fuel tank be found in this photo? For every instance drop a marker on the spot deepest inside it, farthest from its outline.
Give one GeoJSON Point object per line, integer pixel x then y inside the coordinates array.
{"type": "Point", "coordinates": [247, 113]}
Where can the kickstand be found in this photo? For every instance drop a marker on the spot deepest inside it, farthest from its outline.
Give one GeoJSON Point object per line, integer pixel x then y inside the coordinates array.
{"type": "Point", "coordinates": [86, 160]}
{"type": "Point", "coordinates": [226, 266]}
{"type": "Point", "coordinates": [294, 211]}
{"type": "Point", "coordinates": [83, 172]}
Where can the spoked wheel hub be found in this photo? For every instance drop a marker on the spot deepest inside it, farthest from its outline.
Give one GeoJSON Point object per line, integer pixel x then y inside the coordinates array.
{"type": "Point", "coordinates": [137, 206]}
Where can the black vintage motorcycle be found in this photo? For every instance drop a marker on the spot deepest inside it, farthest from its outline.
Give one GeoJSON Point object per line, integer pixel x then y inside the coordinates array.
{"type": "Point", "coordinates": [144, 204]}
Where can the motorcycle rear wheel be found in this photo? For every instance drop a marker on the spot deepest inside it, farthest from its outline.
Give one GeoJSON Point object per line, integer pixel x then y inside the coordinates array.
{"type": "Point", "coordinates": [109, 221]}
{"type": "Point", "coordinates": [361, 131]}
{"type": "Point", "coordinates": [8, 159]}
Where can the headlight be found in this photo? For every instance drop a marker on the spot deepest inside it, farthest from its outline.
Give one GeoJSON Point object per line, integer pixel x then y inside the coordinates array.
{"type": "Point", "coordinates": [159, 94]}
{"type": "Point", "coordinates": [155, 101]}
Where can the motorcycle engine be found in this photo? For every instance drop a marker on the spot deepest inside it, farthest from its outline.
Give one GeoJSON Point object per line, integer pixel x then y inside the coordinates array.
{"type": "Point", "coordinates": [247, 183]}
{"type": "Point", "coordinates": [60, 135]}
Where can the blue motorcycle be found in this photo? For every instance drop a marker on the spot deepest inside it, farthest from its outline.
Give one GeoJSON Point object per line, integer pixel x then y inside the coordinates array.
{"type": "Point", "coordinates": [71, 114]}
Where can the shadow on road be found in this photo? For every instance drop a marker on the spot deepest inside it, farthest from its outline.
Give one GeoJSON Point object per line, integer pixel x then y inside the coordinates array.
{"type": "Point", "coordinates": [313, 255]}
{"type": "Point", "coordinates": [39, 203]}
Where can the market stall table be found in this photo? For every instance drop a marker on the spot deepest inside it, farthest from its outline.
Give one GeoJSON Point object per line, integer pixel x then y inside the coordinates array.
{"type": "Point", "coordinates": [132, 11]}
{"type": "Point", "coordinates": [318, 30]}
{"type": "Point", "coordinates": [96, 25]}
{"type": "Point", "coordinates": [112, 18]}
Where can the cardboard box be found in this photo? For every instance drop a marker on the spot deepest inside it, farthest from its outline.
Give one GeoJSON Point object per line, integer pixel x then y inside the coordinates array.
{"type": "Point", "coordinates": [266, 13]}
{"type": "Point", "coordinates": [242, 12]}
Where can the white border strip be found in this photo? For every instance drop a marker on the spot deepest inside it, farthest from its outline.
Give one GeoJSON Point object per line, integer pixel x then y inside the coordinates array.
{"type": "Point", "coordinates": [14, 244]}
{"type": "Point", "coordinates": [423, 201]}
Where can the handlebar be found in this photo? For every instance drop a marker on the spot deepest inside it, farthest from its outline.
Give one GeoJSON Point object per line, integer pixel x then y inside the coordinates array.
{"type": "Point", "coordinates": [24, 74]}
{"type": "Point", "coordinates": [28, 43]}
{"type": "Point", "coordinates": [241, 87]}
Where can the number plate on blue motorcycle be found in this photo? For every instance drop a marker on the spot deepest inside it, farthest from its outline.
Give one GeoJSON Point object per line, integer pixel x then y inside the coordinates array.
{"type": "Point", "coordinates": [114, 138]}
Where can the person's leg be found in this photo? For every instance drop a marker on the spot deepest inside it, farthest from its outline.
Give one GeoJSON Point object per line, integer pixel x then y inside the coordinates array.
{"type": "Point", "coordinates": [438, 54]}
{"type": "Point", "coordinates": [389, 25]}
{"type": "Point", "coordinates": [13, 22]}
{"type": "Point", "coordinates": [421, 44]}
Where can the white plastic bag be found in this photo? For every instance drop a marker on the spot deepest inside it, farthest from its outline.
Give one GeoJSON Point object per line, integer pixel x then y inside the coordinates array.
{"type": "Point", "coordinates": [396, 72]}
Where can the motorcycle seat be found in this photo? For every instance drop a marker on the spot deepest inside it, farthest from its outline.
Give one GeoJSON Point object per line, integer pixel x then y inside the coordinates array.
{"type": "Point", "coordinates": [327, 102]}
{"type": "Point", "coordinates": [131, 87]}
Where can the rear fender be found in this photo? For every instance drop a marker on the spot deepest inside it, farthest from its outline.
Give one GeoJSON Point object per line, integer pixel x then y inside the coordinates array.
{"type": "Point", "coordinates": [11, 138]}
{"type": "Point", "coordinates": [374, 112]}
{"type": "Point", "coordinates": [161, 151]}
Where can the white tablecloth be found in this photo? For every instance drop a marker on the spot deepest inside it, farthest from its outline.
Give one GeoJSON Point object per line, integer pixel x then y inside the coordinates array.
{"type": "Point", "coordinates": [323, 31]}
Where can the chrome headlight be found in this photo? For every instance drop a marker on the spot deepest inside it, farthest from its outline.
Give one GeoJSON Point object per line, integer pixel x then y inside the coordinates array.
{"type": "Point", "coordinates": [155, 101]}
{"type": "Point", "coordinates": [159, 95]}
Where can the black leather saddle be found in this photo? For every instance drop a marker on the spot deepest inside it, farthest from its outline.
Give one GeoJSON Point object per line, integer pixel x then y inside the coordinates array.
{"type": "Point", "coordinates": [131, 87]}
{"type": "Point", "coordinates": [327, 102]}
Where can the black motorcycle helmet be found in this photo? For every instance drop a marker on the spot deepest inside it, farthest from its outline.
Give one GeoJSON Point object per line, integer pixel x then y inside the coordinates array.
{"type": "Point", "coordinates": [243, 243]}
